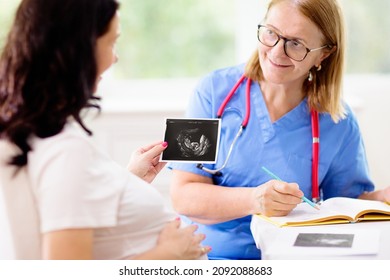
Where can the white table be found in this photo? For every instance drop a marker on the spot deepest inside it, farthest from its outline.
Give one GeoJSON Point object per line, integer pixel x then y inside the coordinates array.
{"type": "Point", "coordinates": [265, 234]}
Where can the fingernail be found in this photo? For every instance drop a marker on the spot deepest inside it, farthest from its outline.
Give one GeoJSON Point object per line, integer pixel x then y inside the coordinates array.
{"type": "Point", "coordinates": [177, 219]}
{"type": "Point", "coordinates": [207, 248]}
{"type": "Point", "coordinates": [164, 144]}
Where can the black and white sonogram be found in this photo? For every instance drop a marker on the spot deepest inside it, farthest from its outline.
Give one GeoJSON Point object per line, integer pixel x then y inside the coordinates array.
{"type": "Point", "coordinates": [192, 140]}
{"type": "Point", "coordinates": [193, 143]}
{"type": "Point", "coordinates": [324, 240]}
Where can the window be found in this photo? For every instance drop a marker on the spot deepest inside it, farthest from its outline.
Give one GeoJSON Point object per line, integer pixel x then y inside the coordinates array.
{"type": "Point", "coordinates": [175, 38]}
{"type": "Point", "coordinates": [368, 35]}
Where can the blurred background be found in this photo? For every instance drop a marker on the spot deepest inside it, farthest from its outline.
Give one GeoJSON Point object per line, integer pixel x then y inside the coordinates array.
{"type": "Point", "coordinates": [166, 46]}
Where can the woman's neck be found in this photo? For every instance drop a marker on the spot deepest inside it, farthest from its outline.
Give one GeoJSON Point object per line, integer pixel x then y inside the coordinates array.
{"type": "Point", "coordinates": [280, 99]}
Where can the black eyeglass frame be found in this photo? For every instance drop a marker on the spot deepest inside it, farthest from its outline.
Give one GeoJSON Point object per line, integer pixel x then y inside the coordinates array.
{"type": "Point", "coordinates": [288, 40]}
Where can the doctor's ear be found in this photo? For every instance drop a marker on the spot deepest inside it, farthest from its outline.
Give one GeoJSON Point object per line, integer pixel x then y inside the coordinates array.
{"type": "Point", "coordinates": [327, 52]}
{"type": "Point", "coordinates": [333, 49]}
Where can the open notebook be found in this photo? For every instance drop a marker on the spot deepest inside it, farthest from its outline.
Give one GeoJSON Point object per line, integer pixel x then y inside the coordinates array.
{"type": "Point", "coordinates": [336, 210]}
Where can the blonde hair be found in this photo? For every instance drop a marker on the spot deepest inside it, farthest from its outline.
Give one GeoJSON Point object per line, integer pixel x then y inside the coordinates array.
{"type": "Point", "coordinates": [325, 91]}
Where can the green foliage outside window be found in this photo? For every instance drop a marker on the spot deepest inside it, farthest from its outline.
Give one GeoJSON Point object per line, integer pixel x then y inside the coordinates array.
{"type": "Point", "coordinates": [175, 38]}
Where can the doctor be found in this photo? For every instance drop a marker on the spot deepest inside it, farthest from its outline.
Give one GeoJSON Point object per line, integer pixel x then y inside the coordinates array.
{"type": "Point", "coordinates": [295, 74]}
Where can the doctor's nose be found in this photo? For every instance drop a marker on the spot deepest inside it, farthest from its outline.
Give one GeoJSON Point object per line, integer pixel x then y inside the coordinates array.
{"type": "Point", "coordinates": [279, 48]}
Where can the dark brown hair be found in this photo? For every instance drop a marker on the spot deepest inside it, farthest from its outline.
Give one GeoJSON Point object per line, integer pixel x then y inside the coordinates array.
{"type": "Point", "coordinates": [48, 67]}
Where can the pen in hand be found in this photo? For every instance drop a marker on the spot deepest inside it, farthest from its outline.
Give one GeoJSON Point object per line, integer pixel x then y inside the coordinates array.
{"type": "Point", "coordinates": [303, 197]}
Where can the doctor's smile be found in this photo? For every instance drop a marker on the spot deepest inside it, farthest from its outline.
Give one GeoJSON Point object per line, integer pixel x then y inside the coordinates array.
{"type": "Point", "coordinates": [278, 65]}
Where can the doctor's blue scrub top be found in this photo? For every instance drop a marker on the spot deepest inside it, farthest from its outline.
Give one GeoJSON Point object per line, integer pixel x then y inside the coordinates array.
{"type": "Point", "coordinates": [284, 147]}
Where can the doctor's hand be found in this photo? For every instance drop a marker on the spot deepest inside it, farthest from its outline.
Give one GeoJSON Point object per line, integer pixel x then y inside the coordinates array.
{"type": "Point", "coordinates": [386, 195]}
{"type": "Point", "coordinates": [276, 198]}
{"type": "Point", "coordinates": [381, 195]}
{"type": "Point", "coordinates": [144, 162]}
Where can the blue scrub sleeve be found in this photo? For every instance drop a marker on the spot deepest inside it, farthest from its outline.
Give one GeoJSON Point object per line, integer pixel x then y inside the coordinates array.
{"type": "Point", "coordinates": [348, 174]}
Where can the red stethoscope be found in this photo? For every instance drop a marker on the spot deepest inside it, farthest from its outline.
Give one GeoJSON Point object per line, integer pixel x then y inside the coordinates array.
{"type": "Point", "coordinates": [314, 130]}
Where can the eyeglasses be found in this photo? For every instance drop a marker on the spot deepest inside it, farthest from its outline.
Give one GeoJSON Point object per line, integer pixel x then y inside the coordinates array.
{"type": "Point", "coordinates": [292, 48]}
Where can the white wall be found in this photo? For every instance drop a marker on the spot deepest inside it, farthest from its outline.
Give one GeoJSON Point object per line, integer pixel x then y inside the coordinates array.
{"type": "Point", "coordinates": [373, 95]}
